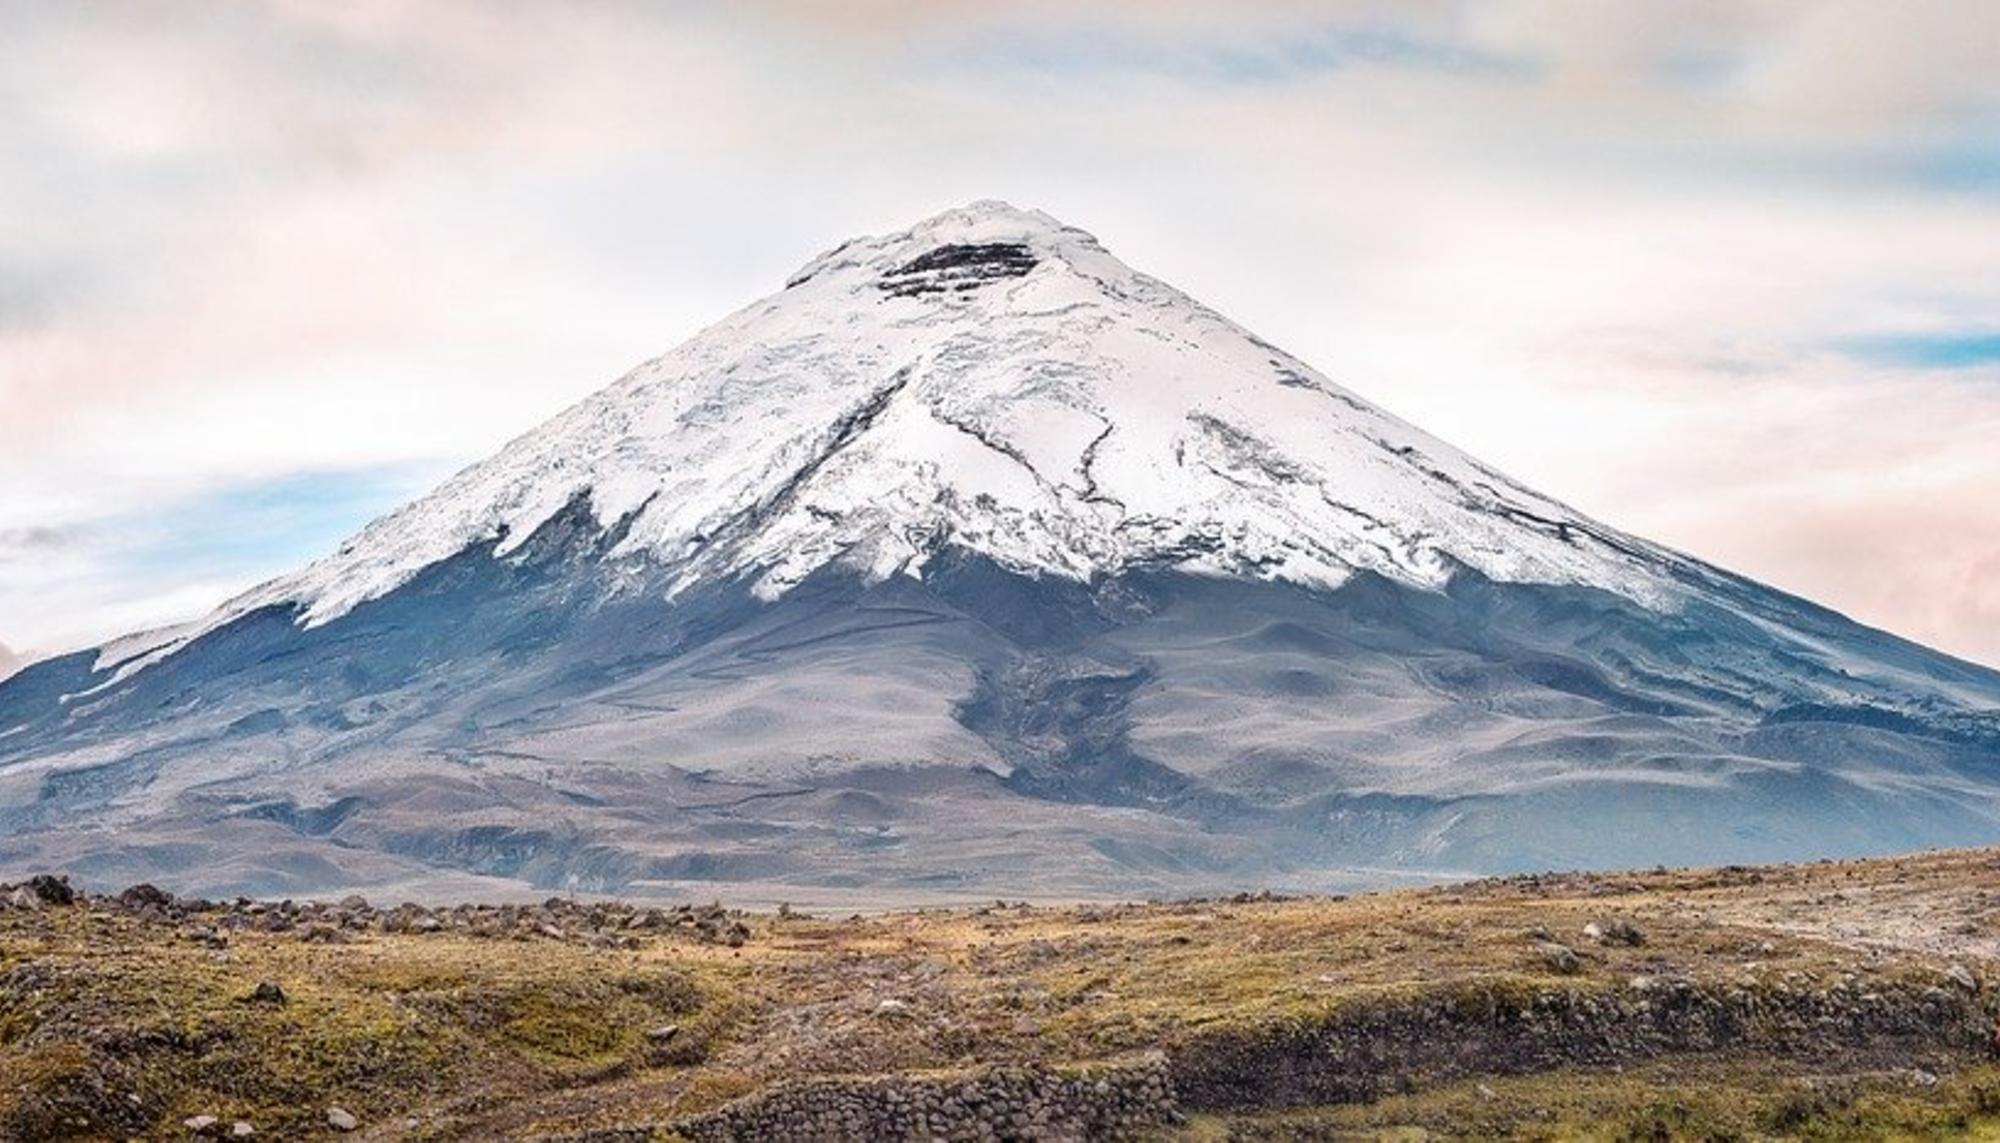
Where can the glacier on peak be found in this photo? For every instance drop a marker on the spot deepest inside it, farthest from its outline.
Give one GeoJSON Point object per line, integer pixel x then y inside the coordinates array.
{"type": "Point", "coordinates": [994, 380]}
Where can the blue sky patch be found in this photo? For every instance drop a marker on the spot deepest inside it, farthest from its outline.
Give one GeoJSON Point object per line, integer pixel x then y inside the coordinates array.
{"type": "Point", "coordinates": [258, 528]}
{"type": "Point", "coordinates": [1945, 350]}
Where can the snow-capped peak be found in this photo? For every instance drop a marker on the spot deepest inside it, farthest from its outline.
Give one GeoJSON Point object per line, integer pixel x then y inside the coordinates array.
{"type": "Point", "coordinates": [994, 380]}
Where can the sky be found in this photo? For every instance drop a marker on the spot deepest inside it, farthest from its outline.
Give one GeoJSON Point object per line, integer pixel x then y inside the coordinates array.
{"type": "Point", "coordinates": [1724, 275]}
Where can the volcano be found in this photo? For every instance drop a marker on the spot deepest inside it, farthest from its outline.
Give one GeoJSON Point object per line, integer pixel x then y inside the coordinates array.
{"type": "Point", "coordinates": [972, 563]}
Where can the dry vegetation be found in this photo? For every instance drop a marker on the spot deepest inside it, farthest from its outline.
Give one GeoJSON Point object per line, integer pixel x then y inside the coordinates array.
{"type": "Point", "coordinates": [119, 1022]}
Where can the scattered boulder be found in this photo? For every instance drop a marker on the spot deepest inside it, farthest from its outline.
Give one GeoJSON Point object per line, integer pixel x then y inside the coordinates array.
{"type": "Point", "coordinates": [145, 895]}
{"type": "Point", "coordinates": [241, 1130]}
{"type": "Point", "coordinates": [39, 892]}
{"type": "Point", "coordinates": [210, 937]}
{"type": "Point", "coordinates": [1962, 976]}
{"type": "Point", "coordinates": [1559, 957]}
{"type": "Point", "coordinates": [1623, 932]}
{"type": "Point", "coordinates": [662, 1046]}
{"type": "Point", "coordinates": [340, 1119]}
{"type": "Point", "coordinates": [268, 992]}
{"type": "Point", "coordinates": [51, 890]}
{"type": "Point", "coordinates": [200, 1124]}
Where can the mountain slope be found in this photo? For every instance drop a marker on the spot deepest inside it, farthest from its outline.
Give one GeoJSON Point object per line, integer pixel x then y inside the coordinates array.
{"type": "Point", "coordinates": [995, 381]}
{"type": "Point", "coordinates": [975, 561]}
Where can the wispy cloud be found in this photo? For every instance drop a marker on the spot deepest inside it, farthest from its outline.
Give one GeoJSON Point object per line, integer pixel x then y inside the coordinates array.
{"type": "Point", "coordinates": [1099, 50]}
{"type": "Point", "coordinates": [26, 543]}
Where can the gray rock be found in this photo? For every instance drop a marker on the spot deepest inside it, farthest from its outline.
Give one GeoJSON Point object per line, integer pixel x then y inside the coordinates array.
{"type": "Point", "coordinates": [145, 895]}
{"type": "Point", "coordinates": [1623, 932]}
{"type": "Point", "coordinates": [1559, 957]}
{"type": "Point", "coordinates": [51, 890]}
{"type": "Point", "coordinates": [340, 1119]}
{"type": "Point", "coordinates": [209, 937]}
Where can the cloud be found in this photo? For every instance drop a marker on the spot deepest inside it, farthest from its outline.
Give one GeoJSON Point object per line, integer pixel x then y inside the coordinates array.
{"type": "Point", "coordinates": [1717, 272]}
{"type": "Point", "coordinates": [26, 542]}
{"type": "Point", "coordinates": [1261, 57]}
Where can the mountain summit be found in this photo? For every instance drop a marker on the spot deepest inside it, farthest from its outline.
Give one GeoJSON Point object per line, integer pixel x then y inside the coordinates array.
{"type": "Point", "coordinates": [973, 561]}
{"type": "Point", "coordinates": [990, 381]}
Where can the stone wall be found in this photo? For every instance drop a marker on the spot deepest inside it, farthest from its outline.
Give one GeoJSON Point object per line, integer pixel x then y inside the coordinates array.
{"type": "Point", "coordinates": [1024, 1103]}
{"type": "Point", "coordinates": [1362, 1051]}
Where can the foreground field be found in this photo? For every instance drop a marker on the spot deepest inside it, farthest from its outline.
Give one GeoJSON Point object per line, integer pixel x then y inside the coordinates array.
{"type": "Point", "coordinates": [1848, 1000]}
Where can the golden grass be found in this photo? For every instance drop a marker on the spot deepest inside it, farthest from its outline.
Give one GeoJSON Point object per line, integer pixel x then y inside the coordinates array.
{"type": "Point", "coordinates": [111, 1027]}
